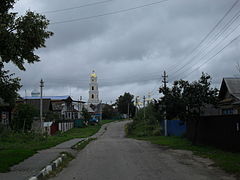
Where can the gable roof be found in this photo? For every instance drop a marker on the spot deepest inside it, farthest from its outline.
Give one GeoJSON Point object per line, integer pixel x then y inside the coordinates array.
{"type": "Point", "coordinates": [36, 103]}
{"type": "Point", "coordinates": [231, 85]}
{"type": "Point", "coordinates": [49, 97]}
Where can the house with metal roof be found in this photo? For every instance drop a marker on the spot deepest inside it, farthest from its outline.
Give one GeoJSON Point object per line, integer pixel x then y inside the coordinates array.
{"type": "Point", "coordinates": [61, 105]}
{"type": "Point", "coordinates": [229, 96]}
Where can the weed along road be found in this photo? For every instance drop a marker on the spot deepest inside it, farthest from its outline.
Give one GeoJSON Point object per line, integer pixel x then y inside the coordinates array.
{"type": "Point", "coordinates": [114, 157]}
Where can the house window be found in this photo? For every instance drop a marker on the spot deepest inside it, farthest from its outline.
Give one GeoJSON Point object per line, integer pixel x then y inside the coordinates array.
{"type": "Point", "coordinates": [227, 111]}
{"type": "Point", "coordinates": [92, 87]}
{"type": "Point", "coordinates": [92, 96]}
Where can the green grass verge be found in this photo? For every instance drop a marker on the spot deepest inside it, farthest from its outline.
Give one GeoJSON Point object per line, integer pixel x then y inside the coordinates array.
{"type": "Point", "coordinates": [83, 144]}
{"type": "Point", "coordinates": [69, 157]}
{"type": "Point", "coordinates": [228, 161]}
{"type": "Point", "coordinates": [15, 147]}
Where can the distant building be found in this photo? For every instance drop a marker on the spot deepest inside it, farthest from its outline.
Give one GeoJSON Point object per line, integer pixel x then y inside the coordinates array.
{"type": "Point", "coordinates": [93, 89]}
{"type": "Point", "coordinates": [61, 105]}
{"type": "Point", "coordinates": [94, 105]}
{"type": "Point", "coordinates": [35, 93]}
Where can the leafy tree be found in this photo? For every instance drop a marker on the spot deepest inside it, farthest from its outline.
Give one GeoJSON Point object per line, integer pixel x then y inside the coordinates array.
{"type": "Point", "coordinates": [149, 120]}
{"type": "Point", "coordinates": [86, 115]}
{"type": "Point", "coordinates": [186, 100]}
{"type": "Point", "coordinates": [123, 102]}
{"type": "Point", "coordinates": [23, 117]}
{"type": "Point", "coordinates": [107, 112]}
{"type": "Point", "coordinates": [8, 87]}
{"type": "Point", "coordinates": [19, 37]}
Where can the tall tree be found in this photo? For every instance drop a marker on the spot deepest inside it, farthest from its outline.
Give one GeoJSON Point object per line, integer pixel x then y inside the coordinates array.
{"type": "Point", "coordinates": [124, 102]}
{"type": "Point", "coordinates": [186, 100]}
{"type": "Point", "coordinates": [19, 37]}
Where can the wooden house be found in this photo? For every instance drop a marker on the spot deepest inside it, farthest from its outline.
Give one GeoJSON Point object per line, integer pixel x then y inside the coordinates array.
{"type": "Point", "coordinates": [229, 96]}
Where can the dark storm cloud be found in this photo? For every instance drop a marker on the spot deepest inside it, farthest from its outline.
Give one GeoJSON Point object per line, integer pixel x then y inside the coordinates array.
{"type": "Point", "coordinates": [129, 51]}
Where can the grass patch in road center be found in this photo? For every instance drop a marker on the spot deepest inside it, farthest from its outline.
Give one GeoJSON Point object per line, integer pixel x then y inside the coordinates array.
{"type": "Point", "coordinates": [68, 157]}
{"type": "Point", "coordinates": [82, 144]}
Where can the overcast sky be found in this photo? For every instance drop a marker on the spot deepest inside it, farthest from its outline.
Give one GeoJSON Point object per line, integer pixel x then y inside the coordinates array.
{"type": "Point", "coordinates": [130, 50]}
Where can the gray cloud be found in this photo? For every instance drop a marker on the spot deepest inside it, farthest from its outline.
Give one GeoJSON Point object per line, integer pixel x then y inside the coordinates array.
{"type": "Point", "coordinates": [129, 51]}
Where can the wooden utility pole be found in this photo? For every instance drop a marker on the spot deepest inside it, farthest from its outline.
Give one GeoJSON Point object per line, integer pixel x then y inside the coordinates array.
{"type": "Point", "coordinates": [128, 111]}
{"type": "Point", "coordinates": [136, 103]}
{"type": "Point", "coordinates": [41, 104]}
{"type": "Point", "coordinates": [144, 114]}
{"type": "Point", "coordinates": [165, 76]}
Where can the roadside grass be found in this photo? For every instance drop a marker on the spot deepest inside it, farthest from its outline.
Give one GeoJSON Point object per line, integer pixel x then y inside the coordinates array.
{"type": "Point", "coordinates": [64, 164]}
{"type": "Point", "coordinates": [15, 147]}
{"type": "Point", "coordinates": [228, 161]}
{"type": "Point", "coordinates": [81, 145]}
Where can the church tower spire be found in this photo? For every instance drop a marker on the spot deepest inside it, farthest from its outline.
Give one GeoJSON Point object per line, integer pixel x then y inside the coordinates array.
{"type": "Point", "coordinates": [93, 89]}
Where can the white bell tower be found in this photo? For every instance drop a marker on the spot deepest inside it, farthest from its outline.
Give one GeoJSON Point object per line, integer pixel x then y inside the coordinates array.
{"type": "Point", "coordinates": [93, 89]}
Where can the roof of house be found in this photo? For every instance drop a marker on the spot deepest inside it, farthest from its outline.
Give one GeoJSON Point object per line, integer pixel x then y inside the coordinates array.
{"type": "Point", "coordinates": [232, 85]}
{"type": "Point", "coordinates": [36, 103]}
{"type": "Point", "coordinates": [48, 97]}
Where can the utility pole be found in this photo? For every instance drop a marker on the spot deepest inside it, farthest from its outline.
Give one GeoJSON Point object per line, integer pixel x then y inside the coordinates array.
{"type": "Point", "coordinates": [136, 103]}
{"type": "Point", "coordinates": [165, 76]}
{"type": "Point", "coordinates": [41, 103]}
{"type": "Point", "coordinates": [144, 114]}
{"type": "Point", "coordinates": [101, 110]}
{"type": "Point", "coordinates": [128, 112]}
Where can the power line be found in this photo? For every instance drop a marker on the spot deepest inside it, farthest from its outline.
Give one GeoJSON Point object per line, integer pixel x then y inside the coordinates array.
{"type": "Point", "coordinates": [211, 58]}
{"type": "Point", "coordinates": [226, 27]}
{"type": "Point", "coordinates": [108, 13]}
{"type": "Point", "coordinates": [76, 7]}
{"type": "Point", "coordinates": [218, 44]}
{"type": "Point", "coordinates": [209, 33]}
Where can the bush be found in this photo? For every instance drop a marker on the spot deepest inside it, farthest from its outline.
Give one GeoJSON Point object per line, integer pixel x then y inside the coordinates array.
{"type": "Point", "coordinates": [148, 126]}
{"type": "Point", "coordinates": [23, 117]}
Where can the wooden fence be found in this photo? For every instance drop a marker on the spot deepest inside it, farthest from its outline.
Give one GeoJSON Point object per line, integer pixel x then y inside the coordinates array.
{"type": "Point", "coordinates": [220, 131]}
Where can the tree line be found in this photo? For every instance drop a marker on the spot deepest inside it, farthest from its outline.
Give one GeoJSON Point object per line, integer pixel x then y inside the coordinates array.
{"type": "Point", "coordinates": [184, 100]}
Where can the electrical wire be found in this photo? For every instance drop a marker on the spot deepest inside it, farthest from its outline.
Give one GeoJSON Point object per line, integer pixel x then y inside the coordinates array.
{"type": "Point", "coordinates": [212, 57]}
{"type": "Point", "coordinates": [203, 41]}
{"type": "Point", "coordinates": [108, 13]}
{"type": "Point", "coordinates": [219, 35]}
{"type": "Point", "coordinates": [205, 37]}
{"type": "Point", "coordinates": [76, 7]}
{"type": "Point", "coordinates": [217, 45]}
